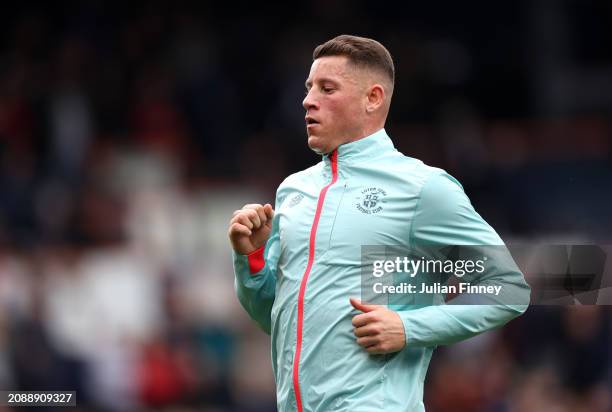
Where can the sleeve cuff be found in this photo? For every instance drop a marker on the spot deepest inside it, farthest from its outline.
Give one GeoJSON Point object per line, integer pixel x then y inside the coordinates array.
{"type": "Point", "coordinates": [256, 260]}
{"type": "Point", "coordinates": [416, 328]}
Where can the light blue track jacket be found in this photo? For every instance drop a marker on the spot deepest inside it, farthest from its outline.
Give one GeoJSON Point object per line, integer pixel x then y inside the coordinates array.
{"type": "Point", "coordinates": [298, 287]}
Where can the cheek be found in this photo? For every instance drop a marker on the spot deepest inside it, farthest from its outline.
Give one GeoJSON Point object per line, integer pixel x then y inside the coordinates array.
{"type": "Point", "coordinates": [342, 109]}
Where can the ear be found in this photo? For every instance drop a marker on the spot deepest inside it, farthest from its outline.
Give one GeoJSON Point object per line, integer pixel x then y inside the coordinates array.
{"type": "Point", "coordinates": [375, 97]}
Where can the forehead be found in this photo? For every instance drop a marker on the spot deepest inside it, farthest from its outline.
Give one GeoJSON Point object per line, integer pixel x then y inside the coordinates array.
{"type": "Point", "coordinates": [333, 67]}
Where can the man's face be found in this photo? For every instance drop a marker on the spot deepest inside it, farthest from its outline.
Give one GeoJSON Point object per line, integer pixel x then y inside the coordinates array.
{"type": "Point", "coordinates": [334, 103]}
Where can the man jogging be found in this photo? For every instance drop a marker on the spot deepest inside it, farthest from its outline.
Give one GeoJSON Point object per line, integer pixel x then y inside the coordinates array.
{"type": "Point", "coordinates": [298, 266]}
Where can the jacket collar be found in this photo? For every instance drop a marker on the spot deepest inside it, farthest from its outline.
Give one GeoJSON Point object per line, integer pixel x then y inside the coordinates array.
{"type": "Point", "coordinates": [364, 148]}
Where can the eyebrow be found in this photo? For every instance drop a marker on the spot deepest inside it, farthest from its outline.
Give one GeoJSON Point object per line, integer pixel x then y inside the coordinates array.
{"type": "Point", "coordinates": [308, 83]}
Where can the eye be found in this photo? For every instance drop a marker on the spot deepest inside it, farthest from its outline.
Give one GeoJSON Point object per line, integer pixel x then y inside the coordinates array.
{"type": "Point", "coordinates": [327, 89]}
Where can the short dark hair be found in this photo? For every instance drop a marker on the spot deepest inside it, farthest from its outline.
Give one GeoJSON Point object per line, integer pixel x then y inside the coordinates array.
{"type": "Point", "coordinates": [360, 51]}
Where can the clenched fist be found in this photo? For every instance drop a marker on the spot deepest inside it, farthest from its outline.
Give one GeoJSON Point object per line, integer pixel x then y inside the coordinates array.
{"type": "Point", "coordinates": [378, 330]}
{"type": "Point", "coordinates": [250, 227]}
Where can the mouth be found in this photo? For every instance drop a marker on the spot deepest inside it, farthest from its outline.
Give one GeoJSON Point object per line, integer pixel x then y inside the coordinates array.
{"type": "Point", "coordinates": [311, 121]}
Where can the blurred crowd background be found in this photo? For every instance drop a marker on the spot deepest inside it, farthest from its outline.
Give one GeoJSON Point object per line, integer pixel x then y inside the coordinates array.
{"type": "Point", "coordinates": [129, 132]}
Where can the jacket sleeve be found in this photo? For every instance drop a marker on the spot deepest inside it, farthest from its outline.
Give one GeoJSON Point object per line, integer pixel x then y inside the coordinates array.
{"type": "Point", "coordinates": [255, 279]}
{"type": "Point", "coordinates": [445, 218]}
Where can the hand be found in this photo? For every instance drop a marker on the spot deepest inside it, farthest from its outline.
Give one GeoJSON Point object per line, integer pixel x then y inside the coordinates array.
{"type": "Point", "coordinates": [250, 227]}
{"type": "Point", "coordinates": [378, 329]}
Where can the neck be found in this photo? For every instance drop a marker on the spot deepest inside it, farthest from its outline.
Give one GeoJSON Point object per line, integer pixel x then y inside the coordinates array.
{"type": "Point", "coordinates": [366, 131]}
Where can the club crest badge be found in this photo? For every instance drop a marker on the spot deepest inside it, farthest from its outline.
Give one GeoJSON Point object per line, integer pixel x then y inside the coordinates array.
{"type": "Point", "coordinates": [370, 201]}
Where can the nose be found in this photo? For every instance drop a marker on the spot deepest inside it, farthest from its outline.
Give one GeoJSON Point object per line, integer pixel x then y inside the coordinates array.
{"type": "Point", "coordinates": [309, 102]}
